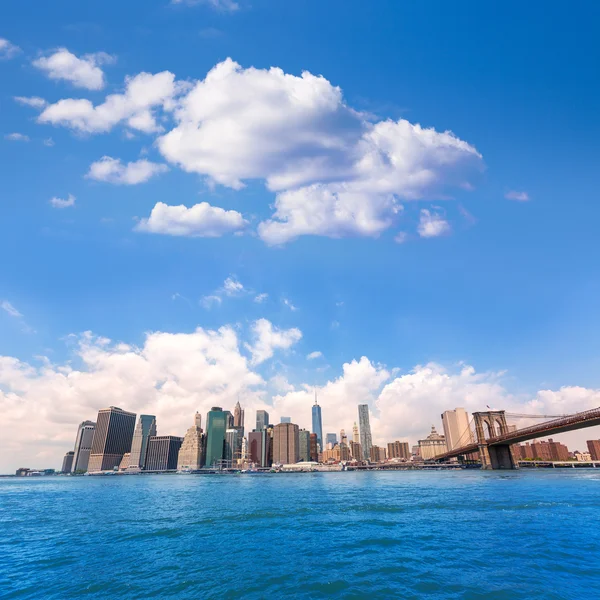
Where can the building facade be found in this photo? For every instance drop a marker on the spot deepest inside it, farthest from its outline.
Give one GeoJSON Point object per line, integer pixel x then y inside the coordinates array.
{"type": "Point", "coordinates": [255, 447]}
{"type": "Point", "coordinates": [317, 423]}
{"type": "Point", "coordinates": [83, 446]}
{"type": "Point", "coordinates": [594, 449]}
{"type": "Point", "coordinates": [314, 448]}
{"type": "Point", "coordinates": [366, 440]}
{"type": "Point", "coordinates": [433, 445]}
{"type": "Point", "coordinates": [457, 430]}
{"type": "Point", "coordinates": [355, 434]}
{"type": "Point", "coordinates": [330, 440]}
{"type": "Point", "coordinates": [304, 445]}
{"type": "Point", "coordinates": [192, 452]}
{"type": "Point", "coordinates": [217, 423]}
{"type": "Point", "coordinates": [112, 439]}
{"type": "Point", "coordinates": [67, 464]}
{"type": "Point", "coordinates": [262, 419]}
{"type": "Point", "coordinates": [145, 428]}
{"type": "Point", "coordinates": [377, 454]}
{"type": "Point", "coordinates": [356, 451]}
{"type": "Point", "coordinates": [542, 450]}
{"type": "Point", "coordinates": [233, 446]}
{"type": "Point", "coordinates": [398, 450]}
{"type": "Point", "coordinates": [286, 448]}
{"type": "Point", "coordinates": [238, 418]}
{"type": "Point", "coordinates": [162, 452]}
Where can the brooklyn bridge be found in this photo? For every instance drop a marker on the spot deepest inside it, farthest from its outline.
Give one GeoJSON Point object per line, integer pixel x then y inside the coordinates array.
{"type": "Point", "coordinates": [493, 438]}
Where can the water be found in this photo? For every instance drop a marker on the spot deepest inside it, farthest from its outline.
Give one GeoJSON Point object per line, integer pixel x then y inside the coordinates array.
{"type": "Point", "coordinates": [411, 535]}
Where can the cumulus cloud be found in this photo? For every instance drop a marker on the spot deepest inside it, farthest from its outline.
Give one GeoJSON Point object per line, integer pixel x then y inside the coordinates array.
{"type": "Point", "coordinates": [201, 220]}
{"type": "Point", "coordinates": [8, 50]}
{"type": "Point", "coordinates": [135, 107]}
{"type": "Point", "coordinates": [33, 101]}
{"type": "Point", "coordinates": [268, 338]}
{"type": "Point", "coordinates": [518, 196]}
{"type": "Point", "coordinates": [16, 137]}
{"type": "Point", "coordinates": [313, 355]}
{"type": "Point", "coordinates": [63, 202]}
{"type": "Point", "coordinates": [432, 224]}
{"type": "Point", "coordinates": [84, 72]}
{"type": "Point", "coordinates": [112, 170]}
{"type": "Point", "coordinates": [232, 287]}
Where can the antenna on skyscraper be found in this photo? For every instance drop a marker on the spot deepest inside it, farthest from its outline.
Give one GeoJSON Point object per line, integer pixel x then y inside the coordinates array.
{"type": "Point", "coordinates": [315, 396]}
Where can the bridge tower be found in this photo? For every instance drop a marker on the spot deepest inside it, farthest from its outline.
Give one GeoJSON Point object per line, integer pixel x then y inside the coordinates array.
{"type": "Point", "coordinates": [496, 456]}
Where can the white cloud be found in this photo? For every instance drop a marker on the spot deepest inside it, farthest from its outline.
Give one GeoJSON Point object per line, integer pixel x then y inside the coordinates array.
{"type": "Point", "coordinates": [268, 338]}
{"type": "Point", "coordinates": [518, 196]}
{"type": "Point", "coordinates": [210, 301]}
{"type": "Point", "coordinates": [401, 237]}
{"type": "Point", "coordinates": [10, 309]}
{"type": "Point", "coordinates": [289, 304]}
{"type": "Point", "coordinates": [84, 72]}
{"type": "Point", "coordinates": [63, 203]}
{"type": "Point", "coordinates": [143, 94]}
{"type": "Point", "coordinates": [201, 220]}
{"type": "Point", "coordinates": [49, 142]}
{"type": "Point", "coordinates": [432, 224]}
{"type": "Point", "coordinates": [8, 50]}
{"type": "Point", "coordinates": [220, 5]}
{"type": "Point", "coordinates": [315, 354]}
{"type": "Point", "coordinates": [232, 287]}
{"type": "Point", "coordinates": [33, 101]}
{"type": "Point", "coordinates": [112, 170]}
{"type": "Point", "coordinates": [16, 137]}
{"type": "Point", "coordinates": [260, 298]}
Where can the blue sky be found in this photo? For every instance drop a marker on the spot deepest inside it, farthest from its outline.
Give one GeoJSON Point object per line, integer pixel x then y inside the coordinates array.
{"type": "Point", "coordinates": [507, 286]}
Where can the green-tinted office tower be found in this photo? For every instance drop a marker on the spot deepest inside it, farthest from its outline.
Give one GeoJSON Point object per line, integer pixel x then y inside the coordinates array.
{"type": "Point", "coordinates": [217, 423]}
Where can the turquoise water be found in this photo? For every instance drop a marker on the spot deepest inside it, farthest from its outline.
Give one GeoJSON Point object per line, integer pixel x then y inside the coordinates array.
{"type": "Point", "coordinates": [464, 535]}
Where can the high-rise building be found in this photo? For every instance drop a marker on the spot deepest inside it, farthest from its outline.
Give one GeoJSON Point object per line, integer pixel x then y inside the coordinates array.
{"type": "Point", "coordinates": [192, 451]}
{"type": "Point", "coordinates": [457, 430]}
{"type": "Point", "coordinates": [267, 446]}
{"type": "Point", "coordinates": [356, 451]}
{"type": "Point", "coordinates": [162, 452]}
{"type": "Point", "coordinates": [67, 464]}
{"type": "Point", "coordinates": [317, 423]}
{"type": "Point", "coordinates": [233, 446]}
{"type": "Point", "coordinates": [355, 434]}
{"type": "Point", "coordinates": [365, 430]}
{"type": "Point", "coordinates": [255, 440]}
{"type": "Point", "coordinates": [377, 454]}
{"type": "Point", "coordinates": [330, 440]}
{"type": "Point", "coordinates": [314, 448]}
{"type": "Point", "coordinates": [304, 445]}
{"type": "Point", "coordinates": [238, 418]}
{"type": "Point", "coordinates": [285, 420]}
{"type": "Point", "coordinates": [343, 437]}
{"type": "Point", "coordinates": [112, 438]}
{"type": "Point", "coordinates": [125, 461]}
{"type": "Point", "coordinates": [285, 443]}
{"type": "Point", "coordinates": [83, 445]}
{"type": "Point", "coordinates": [217, 422]}
{"type": "Point", "coordinates": [398, 450]}
{"type": "Point", "coordinates": [146, 427]}
{"type": "Point", "coordinates": [542, 450]}
{"type": "Point", "coordinates": [594, 449]}
{"type": "Point", "coordinates": [433, 445]}
{"type": "Point", "coordinates": [262, 419]}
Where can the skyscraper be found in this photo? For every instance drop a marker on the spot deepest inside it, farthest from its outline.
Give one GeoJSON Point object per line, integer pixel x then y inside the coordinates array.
{"type": "Point", "coordinates": [255, 442]}
{"type": "Point", "coordinates": [267, 446]}
{"type": "Point", "coordinates": [83, 445]}
{"type": "Point", "coordinates": [456, 428]}
{"type": "Point", "coordinates": [192, 451]}
{"type": "Point", "coordinates": [314, 449]}
{"type": "Point", "coordinates": [145, 428]}
{"type": "Point", "coordinates": [317, 422]}
{"type": "Point", "coordinates": [262, 419]}
{"type": "Point", "coordinates": [112, 438]}
{"type": "Point", "coordinates": [217, 422]}
{"type": "Point", "coordinates": [233, 446]}
{"type": "Point", "coordinates": [238, 418]}
{"type": "Point", "coordinates": [67, 464]}
{"type": "Point", "coordinates": [343, 437]}
{"type": "Point", "coordinates": [285, 443]}
{"type": "Point", "coordinates": [304, 445]}
{"type": "Point", "coordinates": [366, 441]}
{"type": "Point", "coordinates": [330, 438]}
{"type": "Point", "coordinates": [355, 434]}
{"type": "Point", "coordinates": [162, 452]}
{"type": "Point", "coordinates": [594, 449]}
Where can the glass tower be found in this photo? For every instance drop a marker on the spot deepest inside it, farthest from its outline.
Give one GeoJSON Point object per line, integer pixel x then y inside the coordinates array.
{"type": "Point", "coordinates": [217, 422]}
{"type": "Point", "coordinates": [317, 423]}
{"type": "Point", "coordinates": [262, 419]}
{"type": "Point", "coordinates": [365, 430]}
{"type": "Point", "coordinates": [146, 427]}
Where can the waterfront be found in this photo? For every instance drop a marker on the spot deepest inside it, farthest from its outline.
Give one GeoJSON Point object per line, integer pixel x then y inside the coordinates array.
{"type": "Point", "coordinates": [460, 534]}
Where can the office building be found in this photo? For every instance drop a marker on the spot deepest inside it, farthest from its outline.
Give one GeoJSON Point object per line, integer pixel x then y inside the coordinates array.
{"type": "Point", "coordinates": [112, 438]}
{"type": "Point", "coordinates": [162, 452]}
{"type": "Point", "coordinates": [146, 427]}
{"type": "Point", "coordinates": [125, 461]}
{"type": "Point", "coordinates": [542, 450]}
{"type": "Point", "coordinates": [355, 434]}
{"type": "Point", "coordinates": [377, 454]}
{"type": "Point", "coordinates": [255, 440]}
{"type": "Point", "coordinates": [285, 420]}
{"type": "Point", "coordinates": [262, 419]}
{"type": "Point", "coordinates": [433, 445]}
{"type": "Point", "coordinates": [317, 423]}
{"type": "Point", "coordinates": [582, 456]}
{"type": "Point", "coordinates": [285, 443]}
{"type": "Point", "coordinates": [267, 446]}
{"type": "Point", "coordinates": [83, 446]}
{"type": "Point", "coordinates": [343, 437]}
{"type": "Point", "coordinates": [314, 448]}
{"type": "Point", "coordinates": [594, 449]}
{"type": "Point", "coordinates": [356, 451]}
{"type": "Point", "coordinates": [233, 446]}
{"type": "Point", "coordinates": [238, 419]}
{"type": "Point", "coordinates": [330, 440]}
{"type": "Point", "coordinates": [457, 430]}
{"type": "Point", "coordinates": [192, 451]}
{"type": "Point", "coordinates": [304, 445]}
{"type": "Point", "coordinates": [217, 423]}
{"type": "Point", "coordinates": [398, 450]}
{"type": "Point", "coordinates": [365, 430]}
{"type": "Point", "coordinates": [67, 465]}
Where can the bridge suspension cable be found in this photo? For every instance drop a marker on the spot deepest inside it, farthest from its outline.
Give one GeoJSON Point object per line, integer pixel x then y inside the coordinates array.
{"type": "Point", "coordinates": [527, 416]}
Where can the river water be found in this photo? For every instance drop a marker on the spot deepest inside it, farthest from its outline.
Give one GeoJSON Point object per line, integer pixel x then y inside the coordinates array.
{"type": "Point", "coordinates": [410, 535]}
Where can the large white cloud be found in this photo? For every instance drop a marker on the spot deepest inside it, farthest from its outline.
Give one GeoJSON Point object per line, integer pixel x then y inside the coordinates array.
{"type": "Point", "coordinates": [112, 170]}
{"type": "Point", "coordinates": [201, 220]}
{"type": "Point", "coordinates": [8, 50]}
{"type": "Point", "coordinates": [82, 72]}
{"type": "Point", "coordinates": [268, 338]}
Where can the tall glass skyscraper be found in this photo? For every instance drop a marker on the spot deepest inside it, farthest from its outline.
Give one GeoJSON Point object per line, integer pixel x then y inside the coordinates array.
{"type": "Point", "coordinates": [262, 419]}
{"type": "Point", "coordinates": [217, 422]}
{"type": "Point", "coordinates": [145, 427]}
{"type": "Point", "coordinates": [83, 445]}
{"type": "Point", "coordinates": [317, 423]}
{"type": "Point", "coordinates": [365, 430]}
